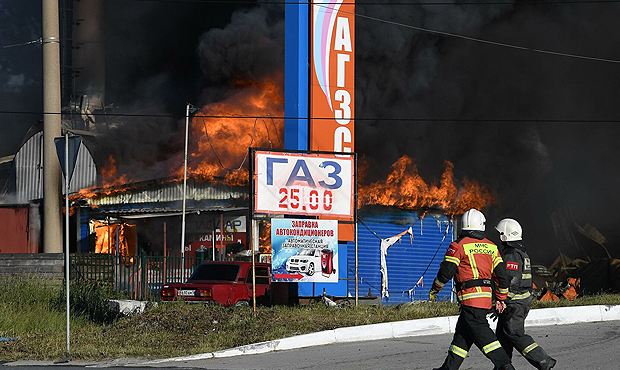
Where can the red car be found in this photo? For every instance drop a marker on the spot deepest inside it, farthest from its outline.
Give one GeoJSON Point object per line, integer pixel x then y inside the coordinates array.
{"type": "Point", "coordinates": [225, 283]}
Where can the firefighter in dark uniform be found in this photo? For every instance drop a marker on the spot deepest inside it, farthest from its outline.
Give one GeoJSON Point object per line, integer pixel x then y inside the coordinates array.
{"type": "Point", "coordinates": [474, 261]}
{"type": "Point", "coordinates": [510, 325]}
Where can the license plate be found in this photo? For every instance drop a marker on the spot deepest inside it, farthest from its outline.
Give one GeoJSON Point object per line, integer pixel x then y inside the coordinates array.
{"type": "Point", "coordinates": [186, 292]}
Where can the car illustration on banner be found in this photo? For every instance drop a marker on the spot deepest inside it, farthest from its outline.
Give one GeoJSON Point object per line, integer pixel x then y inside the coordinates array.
{"type": "Point", "coordinates": [308, 261]}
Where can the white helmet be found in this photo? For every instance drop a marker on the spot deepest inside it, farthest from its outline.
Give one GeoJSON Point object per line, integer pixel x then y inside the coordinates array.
{"type": "Point", "coordinates": [473, 220]}
{"type": "Point", "coordinates": [509, 230]}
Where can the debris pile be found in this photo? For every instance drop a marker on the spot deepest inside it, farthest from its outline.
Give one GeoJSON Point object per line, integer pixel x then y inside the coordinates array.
{"type": "Point", "coordinates": [569, 278]}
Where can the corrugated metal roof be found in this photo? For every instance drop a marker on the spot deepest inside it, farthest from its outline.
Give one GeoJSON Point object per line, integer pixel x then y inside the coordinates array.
{"type": "Point", "coordinates": [156, 213]}
{"type": "Point", "coordinates": [406, 262]}
{"type": "Point", "coordinates": [29, 170]}
{"type": "Point", "coordinates": [163, 210]}
{"type": "Point", "coordinates": [158, 192]}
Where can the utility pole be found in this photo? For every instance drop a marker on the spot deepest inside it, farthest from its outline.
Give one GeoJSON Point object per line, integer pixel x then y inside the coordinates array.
{"type": "Point", "coordinates": [52, 229]}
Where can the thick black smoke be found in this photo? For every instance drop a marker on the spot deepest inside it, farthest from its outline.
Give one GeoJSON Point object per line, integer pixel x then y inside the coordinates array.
{"type": "Point", "coordinates": [537, 170]}
{"type": "Point", "coordinates": [192, 53]}
{"type": "Point", "coordinates": [161, 55]}
{"type": "Point", "coordinates": [250, 47]}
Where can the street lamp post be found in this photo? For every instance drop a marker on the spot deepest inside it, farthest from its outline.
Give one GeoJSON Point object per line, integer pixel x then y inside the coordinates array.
{"type": "Point", "coordinates": [187, 111]}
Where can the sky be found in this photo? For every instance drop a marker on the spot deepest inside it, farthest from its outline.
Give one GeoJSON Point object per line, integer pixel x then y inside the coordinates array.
{"type": "Point", "coordinates": [507, 117]}
{"type": "Point", "coordinates": [20, 70]}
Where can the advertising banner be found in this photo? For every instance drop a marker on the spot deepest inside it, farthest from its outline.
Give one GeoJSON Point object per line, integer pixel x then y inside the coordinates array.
{"type": "Point", "coordinates": [304, 184]}
{"type": "Point", "coordinates": [304, 250]}
{"type": "Point", "coordinates": [332, 83]}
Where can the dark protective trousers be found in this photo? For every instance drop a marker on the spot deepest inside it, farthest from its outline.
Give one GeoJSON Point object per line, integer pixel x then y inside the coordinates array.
{"type": "Point", "coordinates": [473, 328]}
{"type": "Point", "coordinates": [511, 334]}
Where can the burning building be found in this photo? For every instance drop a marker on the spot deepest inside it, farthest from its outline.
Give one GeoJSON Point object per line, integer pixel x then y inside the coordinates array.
{"type": "Point", "coordinates": [405, 201]}
{"type": "Point", "coordinates": [220, 135]}
{"type": "Point", "coordinates": [152, 211]}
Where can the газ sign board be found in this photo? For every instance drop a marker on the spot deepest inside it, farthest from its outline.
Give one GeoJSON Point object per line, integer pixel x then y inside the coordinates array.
{"type": "Point", "coordinates": [332, 76]}
{"type": "Point", "coordinates": [304, 184]}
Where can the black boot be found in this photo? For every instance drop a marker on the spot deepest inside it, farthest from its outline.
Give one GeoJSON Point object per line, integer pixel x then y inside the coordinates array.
{"type": "Point", "coordinates": [547, 364]}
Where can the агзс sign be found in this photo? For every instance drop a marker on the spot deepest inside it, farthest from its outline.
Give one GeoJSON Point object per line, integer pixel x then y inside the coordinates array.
{"type": "Point", "coordinates": [332, 82]}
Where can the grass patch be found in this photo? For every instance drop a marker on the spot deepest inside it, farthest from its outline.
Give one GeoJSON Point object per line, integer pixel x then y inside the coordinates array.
{"type": "Point", "coordinates": [30, 310]}
{"type": "Point", "coordinates": [25, 306]}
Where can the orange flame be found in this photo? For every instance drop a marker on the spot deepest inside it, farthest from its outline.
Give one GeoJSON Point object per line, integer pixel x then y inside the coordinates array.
{"type": "Point", "coordinates": [219, 146]}
{"type": "Point", "coordinates": [264, 238]}
{"type": "Point", "coordinates": [109, 173]}
{"type": "Point", "coordinates": [405, 188]}
{"type": "Point", "coordinates": [106, 238]}
{"type": "Point", "coordinates": [109, 179]}
{"type": "Point", "coordinates": [220, 141]}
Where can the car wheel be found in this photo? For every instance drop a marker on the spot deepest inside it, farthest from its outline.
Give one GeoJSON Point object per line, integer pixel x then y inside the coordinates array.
{"type": "Point", "coordinates": [310, 269]}
{"type": "Point", "coordinates": [242, 304]}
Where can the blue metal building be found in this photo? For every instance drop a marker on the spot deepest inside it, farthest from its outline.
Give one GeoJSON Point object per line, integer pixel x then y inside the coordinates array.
{"type": "Point", "coordinates": [407, 261]}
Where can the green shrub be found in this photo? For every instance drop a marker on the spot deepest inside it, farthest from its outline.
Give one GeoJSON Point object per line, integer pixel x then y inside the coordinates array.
{"type": "Point", "coordinates": [90, 301]}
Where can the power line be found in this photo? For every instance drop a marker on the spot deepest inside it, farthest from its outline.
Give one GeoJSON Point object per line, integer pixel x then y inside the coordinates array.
{"type": "Point", "coordinates": [417, 28]}
{"type": "Point", "coordinates": [449, 34]}
{"type": "Point", "coordinates": [476, 39]}
{"type": "Point", "coordinates": [385, 119]}
{"type": "Point", "coordinates": [37, 41]}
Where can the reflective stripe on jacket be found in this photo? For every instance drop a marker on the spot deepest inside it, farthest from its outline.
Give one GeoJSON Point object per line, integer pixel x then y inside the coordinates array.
{"type": "Point", "coordinates": [471, 259]}
{"type": "Point", "coordinates": [519, 271]}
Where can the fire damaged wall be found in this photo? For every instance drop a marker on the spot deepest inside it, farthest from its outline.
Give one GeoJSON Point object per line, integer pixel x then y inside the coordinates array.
{"type": "Point", "coordinates": [412, 264]}
{"type": "Point", "coordinates": [159, 235]}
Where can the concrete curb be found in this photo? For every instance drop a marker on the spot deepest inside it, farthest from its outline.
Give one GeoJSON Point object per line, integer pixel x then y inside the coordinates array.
{"type": "Point", "coordinates": [402, 329]}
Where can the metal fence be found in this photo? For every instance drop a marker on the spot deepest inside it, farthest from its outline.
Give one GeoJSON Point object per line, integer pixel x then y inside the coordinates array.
{"type": "Point", "coordinates": [139, 277]}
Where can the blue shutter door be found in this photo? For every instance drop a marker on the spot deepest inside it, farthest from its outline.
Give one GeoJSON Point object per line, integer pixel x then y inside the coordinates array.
{"type": "Point", "coordinates": [406, 261]}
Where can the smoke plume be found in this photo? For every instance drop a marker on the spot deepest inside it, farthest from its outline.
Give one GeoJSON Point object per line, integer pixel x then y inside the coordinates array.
{"type": "Point", "coordinates": [533, 168]}
{"type": "Point", "coordinates": [164, 55]}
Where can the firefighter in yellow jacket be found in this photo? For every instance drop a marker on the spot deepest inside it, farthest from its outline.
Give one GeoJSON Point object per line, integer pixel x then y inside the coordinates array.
{"type": "Point", "coordinates": [474, 261]}
{"type": "Point", "coordinates": [511, 323]}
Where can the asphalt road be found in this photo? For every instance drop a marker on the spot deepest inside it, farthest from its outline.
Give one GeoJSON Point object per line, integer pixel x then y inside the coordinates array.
{"type": "Point", "coordinates": [578, 346]}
